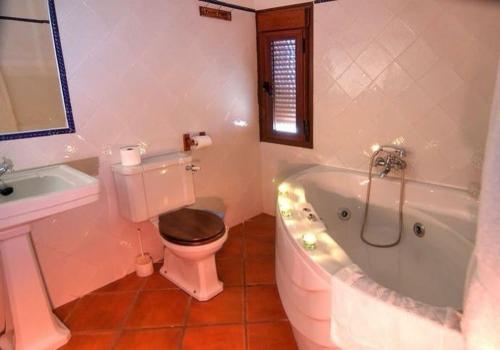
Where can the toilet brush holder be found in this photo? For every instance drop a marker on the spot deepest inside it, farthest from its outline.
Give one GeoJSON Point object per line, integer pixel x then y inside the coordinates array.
{"type": "Point", "coordinates": [144, 265]}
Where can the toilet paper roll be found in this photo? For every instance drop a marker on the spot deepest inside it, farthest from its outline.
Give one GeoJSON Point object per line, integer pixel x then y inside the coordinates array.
{"type": "Point", "coordinates": [201, 141]}
{"type": "Point", "coordinates": [130, 155]}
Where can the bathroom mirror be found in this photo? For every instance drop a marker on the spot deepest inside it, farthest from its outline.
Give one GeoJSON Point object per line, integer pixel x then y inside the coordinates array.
{"type": "Point", "coordinates": [34, 97]}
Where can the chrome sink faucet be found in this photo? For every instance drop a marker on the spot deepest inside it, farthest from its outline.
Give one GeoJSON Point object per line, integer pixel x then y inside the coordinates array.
{"type": "Point", "coordinates": [6, 165]}
{"type": "Point", "coordinates": [392, 158]}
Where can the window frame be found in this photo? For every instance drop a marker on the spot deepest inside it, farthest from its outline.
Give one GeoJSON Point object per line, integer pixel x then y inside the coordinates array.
{"type": "Point", "coordinates": [284, 23]}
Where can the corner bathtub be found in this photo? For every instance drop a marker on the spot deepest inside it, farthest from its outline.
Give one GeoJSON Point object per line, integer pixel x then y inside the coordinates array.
{"type": "Point", "coordinates": [347, 295]}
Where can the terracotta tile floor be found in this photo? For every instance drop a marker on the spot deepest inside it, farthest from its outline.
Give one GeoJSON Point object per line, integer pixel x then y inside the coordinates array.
{"type": "Point", "coordinates": [152, 313]}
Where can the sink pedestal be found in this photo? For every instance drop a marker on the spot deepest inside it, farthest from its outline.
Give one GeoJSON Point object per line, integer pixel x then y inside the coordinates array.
{"type": "Point", "coordinates": [38, 193]}
{"type": "Point", "coordinates": [35, 325]}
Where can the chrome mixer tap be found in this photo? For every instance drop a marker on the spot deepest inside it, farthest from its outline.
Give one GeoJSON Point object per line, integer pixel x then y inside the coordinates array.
{"type": "Point", "coordinates": [392, 158]}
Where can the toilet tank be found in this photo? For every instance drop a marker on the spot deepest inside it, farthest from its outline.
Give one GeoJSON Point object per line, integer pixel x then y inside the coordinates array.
{"type": "Point", "coordinates": [158, 185]}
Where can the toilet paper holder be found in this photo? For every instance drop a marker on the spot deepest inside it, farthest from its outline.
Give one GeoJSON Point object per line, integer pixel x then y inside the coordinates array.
{"type": "Point", "coordinates": [189, 142]}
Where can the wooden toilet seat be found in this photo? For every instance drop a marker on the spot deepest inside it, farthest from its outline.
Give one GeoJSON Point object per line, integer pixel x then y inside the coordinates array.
{"type": "Point", "coordinates": [191, 227]}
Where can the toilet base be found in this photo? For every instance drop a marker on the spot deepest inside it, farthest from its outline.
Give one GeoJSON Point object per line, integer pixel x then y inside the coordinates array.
{"type": "Point", "coordinates": [197, 278]}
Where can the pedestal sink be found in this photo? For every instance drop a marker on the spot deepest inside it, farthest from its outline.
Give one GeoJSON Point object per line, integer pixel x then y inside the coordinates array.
{"type": "Point", "coordinates": [38, 193]}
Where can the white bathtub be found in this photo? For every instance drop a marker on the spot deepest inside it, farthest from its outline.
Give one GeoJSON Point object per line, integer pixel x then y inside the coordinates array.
{"type": "Point", "coordinates": [428, 271]}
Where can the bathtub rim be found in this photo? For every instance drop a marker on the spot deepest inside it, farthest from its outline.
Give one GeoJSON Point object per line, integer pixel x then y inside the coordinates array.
{"type": "Point", "coordinates": [389, 177]}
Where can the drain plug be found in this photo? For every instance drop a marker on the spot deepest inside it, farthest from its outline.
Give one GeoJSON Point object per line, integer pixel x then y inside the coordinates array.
{"type": "Point", "coordinates": [344, 214]}
{"type": "Point", "coordinates": [419, 229]}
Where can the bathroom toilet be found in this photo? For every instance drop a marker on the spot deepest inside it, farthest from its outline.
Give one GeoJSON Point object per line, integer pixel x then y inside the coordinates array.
{"type": "Point", "coordinates": [159, 190]}
{"type": "Point", "coordinates": [191, 238]}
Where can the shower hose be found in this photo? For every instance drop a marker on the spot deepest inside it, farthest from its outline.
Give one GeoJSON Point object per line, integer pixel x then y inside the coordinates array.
{"type": "Point", "coordinates": [367, 206]}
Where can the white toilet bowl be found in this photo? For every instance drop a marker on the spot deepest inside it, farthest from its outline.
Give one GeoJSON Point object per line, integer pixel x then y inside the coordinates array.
{"type": "Point", "coordinates": [190, 263]}
{"type": "Point", "coordinates": [155, 190]}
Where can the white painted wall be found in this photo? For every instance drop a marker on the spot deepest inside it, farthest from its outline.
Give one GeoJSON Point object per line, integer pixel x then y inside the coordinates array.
{"type": "Point", "coordinates": [265, 4]}
{"type": "Point", "coordinates": [246, 3]}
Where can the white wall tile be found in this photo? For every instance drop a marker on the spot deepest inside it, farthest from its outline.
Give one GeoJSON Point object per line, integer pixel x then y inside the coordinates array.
{"type": "Point", "coordinates": [374, 60]}
{"type": "Point", "coordinates": [335, 59]}
{"type": "Point", "coordinates": [440, 81]}
{"type": "Point", "coordinates": [394, 80]}
{"type": "Point", "coordinates": [419, 14]}
{"type": "Point", "coordinates": [396, 37]}
{"type": "Point", "coordinates": [354, 80]}
{"type": "Point", "coordinates": [417, 59]}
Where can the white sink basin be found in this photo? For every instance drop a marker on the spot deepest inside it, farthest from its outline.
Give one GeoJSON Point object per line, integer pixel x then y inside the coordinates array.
{"type": "Point", "coordinates": [45, 191]}
{"type": "Point", "coordinates": [38, 193]}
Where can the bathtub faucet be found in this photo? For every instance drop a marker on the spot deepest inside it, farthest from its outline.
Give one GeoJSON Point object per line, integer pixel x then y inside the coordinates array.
{"type": "Point", "coordinates": [5, 166]}
{"type": "Point", "coordinates": [391, 158]}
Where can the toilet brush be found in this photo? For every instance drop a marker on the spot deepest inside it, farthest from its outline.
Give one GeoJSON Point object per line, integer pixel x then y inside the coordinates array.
{"type": "Point", "coordinates": [143, 262]}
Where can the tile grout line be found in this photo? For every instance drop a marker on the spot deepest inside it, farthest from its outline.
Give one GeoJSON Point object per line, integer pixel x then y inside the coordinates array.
{"type": "Point", "coordinates": [173, 327]}
{"type": "Point", "coordinates": [185, 322]}
{"type": "Point", "coordinates": [121, 327]}
{"type": "Point", "coordinates": [152, 328]}
{"type": "Point", "coordinates": [77, 301]}
{"type": "Point", "coordinates": [245, 299]}
{"type": "Point", "coordinates": [134, 291]}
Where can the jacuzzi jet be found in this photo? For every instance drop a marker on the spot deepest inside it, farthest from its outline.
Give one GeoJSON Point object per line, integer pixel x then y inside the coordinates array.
{"type": "Point", "coordinates": [6, 191]}
{"type": "Point", "coordinates": [419, 229]}
{"type": "Point", "coordinates": [312, 218]}
{"type": "Point", "coordinates": [344, 214]}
